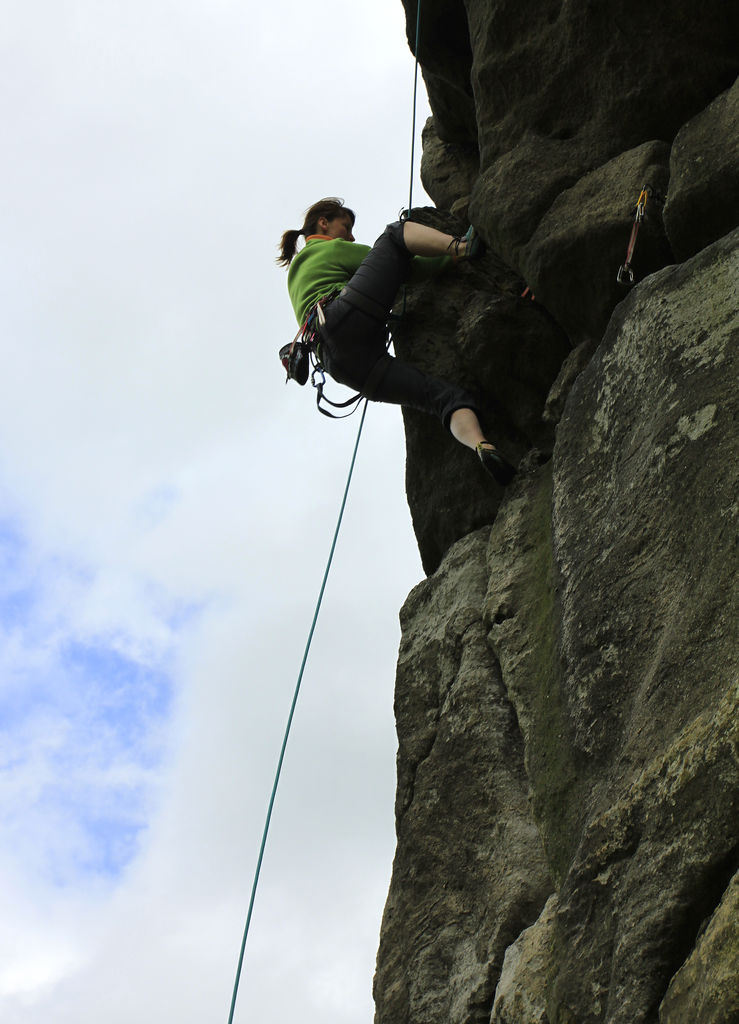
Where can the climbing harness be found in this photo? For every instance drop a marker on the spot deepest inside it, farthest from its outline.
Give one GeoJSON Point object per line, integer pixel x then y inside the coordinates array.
{"type": "Point", "coordinates": [302, 357]}
{"type": "Point", "coordinates": [378, 371]}
{"type": "Point", "coordinates": [301, 353]}
{"type": "Point", "coordinates": [369, 388]}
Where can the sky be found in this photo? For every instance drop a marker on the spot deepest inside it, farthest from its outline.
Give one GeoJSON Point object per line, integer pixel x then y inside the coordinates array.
{"type": "Point", "coordinates": [167, 505]}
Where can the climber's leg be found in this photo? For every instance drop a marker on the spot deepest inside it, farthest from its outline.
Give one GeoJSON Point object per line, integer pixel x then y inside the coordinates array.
{"type": "Point", "coordinates": [403, 384]}
{"type": "Point", "coordinates": [383, 270]}
{"type": "Point", "coordinates": [421, 240]}
{"type": "Point", "coordinates": [385, 267]}
{"type": "Point", "coordinates": [465, 427]}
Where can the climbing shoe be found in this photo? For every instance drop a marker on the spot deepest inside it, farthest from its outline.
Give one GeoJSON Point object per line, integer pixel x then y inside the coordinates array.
{"type": "Point", "coordinates": [474, 246]}
{"type": "Point", "coordinates": [499, 468]}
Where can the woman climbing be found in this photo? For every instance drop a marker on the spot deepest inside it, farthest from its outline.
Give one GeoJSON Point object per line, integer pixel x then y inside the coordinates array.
{"type": "Point", "coordinates": [353, 289]}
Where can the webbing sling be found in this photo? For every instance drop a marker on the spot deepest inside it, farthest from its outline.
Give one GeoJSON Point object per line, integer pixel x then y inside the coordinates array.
{"type": "Point", "coordinates": [369, 388]}
{"type": "Point", "coordinates": [376, 375]}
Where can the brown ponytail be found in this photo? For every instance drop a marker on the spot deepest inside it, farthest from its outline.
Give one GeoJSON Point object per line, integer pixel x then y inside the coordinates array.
{"type": "Point", "coordinates": [288, 246]}
{"type": "Point", "coordinates": [328, 208]}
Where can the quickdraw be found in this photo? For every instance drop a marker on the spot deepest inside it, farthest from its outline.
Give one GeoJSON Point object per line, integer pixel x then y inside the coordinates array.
{"type": "Point", "coordinates": [625, 274]}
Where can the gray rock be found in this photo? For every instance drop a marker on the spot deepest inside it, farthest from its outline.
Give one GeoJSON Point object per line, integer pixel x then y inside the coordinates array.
{"type": "Point", "coordinates": [567, 682]}
{"type": "Point", "coordinates": [471, 326]}
{"type": "Point", "coordinates": [703, 200]}
{"type": "Point", "coordinates": [448, 170]}
{"type": "Point", "coordinates": [644, 514]}
{"type": "Point", "coordinates": [570, 370]}
{"type": "Point", "coordinates": [520, 612]}
{"type": "Point", "coordinates": [645, 473]}
{"type": "Point", "coordinates": [601, 74]}
{"type": "Point", "coordinates": [572, 260]}
{"type": "Point", "coordinates": [649, 869]}
{"type": "Point", "coordinates": [706, 988]}
{"type": "Point", "coordinates": [512, 195]}
{"type": "Point", "coordinates": [609, 603]}
{"type": "Point", "coordinates": [560, 91]}
{"type": "Point", "coordinates": [521, 996]}
{"type": "Point", "coordinates": [469, 872]}
{"type": "Point", "coordinates": [445, 56]}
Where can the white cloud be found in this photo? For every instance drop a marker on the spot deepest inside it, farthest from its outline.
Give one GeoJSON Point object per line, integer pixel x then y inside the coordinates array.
{"type": "Point", "coordinates": [167, 508]}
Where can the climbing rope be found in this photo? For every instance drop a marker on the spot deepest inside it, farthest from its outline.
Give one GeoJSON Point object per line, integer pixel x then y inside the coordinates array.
{"type": "Point", "coordinates": [406, 213]}
{"type": "Point", "coordinates": [281, 758]}
{"type": "Point", "coordinates": [413, 119]}
{"type": "Point", "coordinates": [291, 714]}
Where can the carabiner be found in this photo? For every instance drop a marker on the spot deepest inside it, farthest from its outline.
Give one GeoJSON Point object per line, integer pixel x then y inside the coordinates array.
{"type": "Point", "coordinates": [625, 275]}
{"type": "Point", "coordinates": [641, 203]}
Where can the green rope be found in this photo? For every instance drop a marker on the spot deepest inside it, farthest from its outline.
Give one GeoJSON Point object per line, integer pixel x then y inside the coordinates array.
{"type": "Point", "coordinates": [281, 758]}
{"type": "Point", "coordinates": [413, 128]}
{"type": "Point", "coordinates": [290, 720]}
{"type": "Point", "coordinates": [415, 94]}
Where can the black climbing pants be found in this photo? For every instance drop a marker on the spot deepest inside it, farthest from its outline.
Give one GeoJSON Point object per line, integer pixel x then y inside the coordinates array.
{"type": "Point", "coordinates": [353, 340]}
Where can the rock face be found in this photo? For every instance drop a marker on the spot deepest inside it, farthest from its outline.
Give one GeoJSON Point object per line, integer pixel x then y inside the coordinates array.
{"type": "Point", "coordinates": [568, 679]}
{"type": "Point", "coordinates": [508, 352]}
{"type": "Point", "coordinates": [704, 176]}
{"type": "Point", "coordinates": [461, 891]}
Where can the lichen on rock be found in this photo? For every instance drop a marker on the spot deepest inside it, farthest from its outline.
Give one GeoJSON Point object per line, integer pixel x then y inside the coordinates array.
{"type": "Point", "coordinates": [568, 677]}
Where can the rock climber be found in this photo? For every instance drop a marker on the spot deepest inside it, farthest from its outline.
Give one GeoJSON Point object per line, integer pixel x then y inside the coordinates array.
{"type": "Point", "coordinates": [356, 287]}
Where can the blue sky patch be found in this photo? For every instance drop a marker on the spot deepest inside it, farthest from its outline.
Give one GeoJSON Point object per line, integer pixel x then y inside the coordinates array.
{"type": "Point", "coordinates": [82, 727]}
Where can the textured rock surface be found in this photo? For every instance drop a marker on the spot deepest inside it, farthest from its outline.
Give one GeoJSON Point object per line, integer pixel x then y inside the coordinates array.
{"type": "Point", "coordinates": [572, 260]}
{"type": "Point", "coordinates": [521, 615]}
{"type": "Point", "coordinates": [703, 202]}
{"type": "Point", "coordinates": [568, 678]}
{"type": "Point", "coordinates": [560, 90]}
{"type": "Point", "coordinates": [445, 55]}
{"type": "Point", "coordinates": [470, 872]}
{"type": "Point", "coordinates": [602, 77]}
{"type": "Point", "coordinates": [472, 327]}
{"type": "Point", "coordinates": [705, 989]}
{"type": "Point", "coordinates": [646, 478]}
{"type": "Point", "coordinates": [521, 994]}
{"type": "Point", "coordinates": [448, 170]}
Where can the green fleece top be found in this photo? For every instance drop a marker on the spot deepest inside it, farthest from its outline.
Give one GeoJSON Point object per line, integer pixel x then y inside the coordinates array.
{"type": "Point", "coordinates": [325, 265]}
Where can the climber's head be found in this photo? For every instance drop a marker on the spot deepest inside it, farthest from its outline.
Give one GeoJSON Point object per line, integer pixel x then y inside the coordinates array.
{"type": "Point", "coordinates": [338, 226]}
{"type": "Point", "coordinates": [326, 217]}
